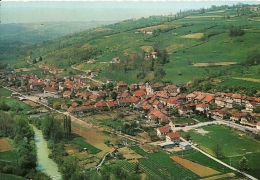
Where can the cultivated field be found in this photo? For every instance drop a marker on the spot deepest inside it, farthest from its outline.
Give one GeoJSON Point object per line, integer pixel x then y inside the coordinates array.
{"type": "Point", "coordinates": [214, 64]}
{"type": "Point", "coordinates": [31, 103]}
{"type": "Point", "coordinates": [22, 70]}
{"type": "Point", "coordinates": [198, 169]}
{"type": "Point", "coordinates": [191, 17]}
{"type": "Point", "coordinates": [95, 137]}
{"type": "Point", "coordinates": [193, 36]}
{"type": "Point", "coordinates": [129, 154]}
{"type": "Point", "coordinates": [5, 145]}
{"type": "Point", "coordinates": [154, 28]}
{"type": "Point", "coordinates": [147, 48]}
{"type": "Point", "coordinates": [222, 176]}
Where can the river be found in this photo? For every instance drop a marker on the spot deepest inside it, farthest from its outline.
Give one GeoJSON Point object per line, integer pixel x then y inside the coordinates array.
{"type": "Point", "coordinates": [44, 163]}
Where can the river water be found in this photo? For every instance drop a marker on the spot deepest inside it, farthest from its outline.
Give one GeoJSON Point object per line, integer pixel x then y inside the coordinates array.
{"type": "Point", "coordinates": [44, 163]}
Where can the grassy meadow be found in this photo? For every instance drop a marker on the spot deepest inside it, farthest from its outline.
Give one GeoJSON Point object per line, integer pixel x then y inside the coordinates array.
{"type": "Point", "coordinates": [234, 144]}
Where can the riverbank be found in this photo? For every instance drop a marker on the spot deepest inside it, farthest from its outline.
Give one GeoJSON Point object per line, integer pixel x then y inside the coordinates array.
{"type": "Point", "coordinates": [44, 163]}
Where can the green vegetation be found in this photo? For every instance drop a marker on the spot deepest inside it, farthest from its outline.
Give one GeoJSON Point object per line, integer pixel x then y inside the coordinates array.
{"type": "Point", "coordinates": [10, 176]}
{"type": "Point", "coordinates": [226, 139]}
{"type": "Point", "coordinates": [164, 167]}
{"type": "Point", "coordinates": [200, 158]}
{"type": "Point", "coordinates": [138, 150]}
{"type": "Point", "coordinates": [81, 142]}
{"type": "Point", "coordinates": [182, 40]}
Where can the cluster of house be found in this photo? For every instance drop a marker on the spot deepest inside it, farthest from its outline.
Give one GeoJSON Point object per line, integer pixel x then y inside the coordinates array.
{"type": "Point", "coordinates": [153, 99]}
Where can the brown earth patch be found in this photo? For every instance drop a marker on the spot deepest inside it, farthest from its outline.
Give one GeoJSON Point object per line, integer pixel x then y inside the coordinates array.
{"type": "Point", "coordinates": [21, 70]}
{"type": "Point", "coordinates": [198, 169]}
{"type": "Point", "coordinates": [129, 154]}
{"type": "Point", "coordinates": [172, 47]}
{"type": "Point", "coordinates": [192, 17]}
{"type": "Point", "coordinates": [249, 79]}
{"type": "Point", "coordinates": [214, 64]}
{"type": "Point", "coordinates": [31, 103]}
{"type": "Point", "coordinates": [80, 66]}
{"type": "Point", "coordinates": [193, 36]}
{"type": "Point", "coordinates": [95, 137]}
{"type": "Point", "coordinates": [5, 145]}
{"type": "Point", "coordinates": [147, 48]}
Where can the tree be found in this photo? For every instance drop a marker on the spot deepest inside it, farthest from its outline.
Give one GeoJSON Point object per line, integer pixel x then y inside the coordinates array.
{"type": "Point", "coordinates": [218, 151]}
{"type": "Point", "coordinates": [69, 167]}
{"type": "Point", "coordinates": [34, 61]}
{"type": "Point", "coordinates": [56, 105]}
{"type": "Point", "coordinates": [40, 58]}
{"type": "Point", "coordinates": [187, 137]}
{"type": "Point", "coordinates": [113, 95]}
{"type": "Point", "coordinates": [159, 73]}
{"type": "Point", "coordinates": [110, 86]}
{"type": "Point", "coordinates": [252, 57]}
{"type": "Point", "coordinates": [243, 164]}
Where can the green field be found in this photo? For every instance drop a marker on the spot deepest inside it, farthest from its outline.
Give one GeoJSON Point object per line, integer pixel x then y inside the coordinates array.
{"type": "Point", "coordinates": [10, 177]}
{"type": "Point", "coordinates": [81, 142]}
{"type": "Point", "coordinates": [14, 102]}
{"type": "Point", "coordinates": [163, 166]}
{"type": "Point", "coordinates": [4, 92]}
{"type": "Point", "coordinates": [234, 144]}
{"type": "Point", "coordinates": [9, 155]}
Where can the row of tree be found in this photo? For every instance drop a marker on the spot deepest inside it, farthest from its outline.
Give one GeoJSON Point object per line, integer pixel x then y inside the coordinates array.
{"type": "Point", "coordinates": [24, 158]}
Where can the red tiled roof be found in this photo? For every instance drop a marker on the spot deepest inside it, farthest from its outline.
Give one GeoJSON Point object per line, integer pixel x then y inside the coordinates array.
{"type": "Point", "coordinates": [174, 135]}
{"type": "Point", "coordinates": [208, 98]}
{"type": "Point", "coordinates": [164, 129]}
{"type": "Point", "coordinates": [139, 93]}
{"type": "Point", "coordinates": [67, 93]}
{"type": "Point", "coordinates": [121, 83]}
{"type": "Point", "coordinates": [134, 99]}
{"type": "Point", "coordinates": [202, 105]}
{"type": "Point", "coordinates": [51, 89]}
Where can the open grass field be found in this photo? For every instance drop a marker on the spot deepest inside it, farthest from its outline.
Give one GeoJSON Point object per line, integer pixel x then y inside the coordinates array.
{"type": "Point", "coordinates": [198, 169]}
{"type": "Point", "coordinates": [5, 145]}
{"type": "Point", "coordinates": [234, 144]}
{"type": "Point", "coordinates": [4, 92]}
{"type": "Point", "coordinates": [11, 102]}
{"type": "Point", "coordinates": [11, 155]}
{"type": "Point", "coordinates": [227, 139]}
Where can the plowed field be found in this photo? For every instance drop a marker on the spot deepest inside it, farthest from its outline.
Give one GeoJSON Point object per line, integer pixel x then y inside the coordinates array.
{"type": "Point", "coordinates": [198, 169]}
{"type": "Point", "coordinates": [4, 145]}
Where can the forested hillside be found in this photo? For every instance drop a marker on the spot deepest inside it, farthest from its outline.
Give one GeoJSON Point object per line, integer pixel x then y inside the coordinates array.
{"type": "Point", "coordinates": [213, 49]}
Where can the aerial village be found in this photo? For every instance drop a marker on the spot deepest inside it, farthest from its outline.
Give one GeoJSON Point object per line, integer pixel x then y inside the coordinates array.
{"type": "Point", "coordinates": [157, 103]}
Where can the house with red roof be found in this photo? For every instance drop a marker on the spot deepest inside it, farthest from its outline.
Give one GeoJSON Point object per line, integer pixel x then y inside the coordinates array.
{"type": "Point", "coordinates": [50, 90]}
{"type": "Point", "coordinates": [173, 137]}
{"type": "Point", "coordinates": [202, 107]}
{"type": "Point", "coordinates": [67, 94]}
{"type": "Point", "coordinates": [100, 105]}
{"type": "Point", "coordinates": [163, 131]}
{"type": "Point", "coordinates": [121, 86]}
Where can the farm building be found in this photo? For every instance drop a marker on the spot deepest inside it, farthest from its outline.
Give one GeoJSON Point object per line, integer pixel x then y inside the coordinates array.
{"type": "Point", "coordinates": [166, 145]}
{"type": "Point", "coordinates": [185, 146]}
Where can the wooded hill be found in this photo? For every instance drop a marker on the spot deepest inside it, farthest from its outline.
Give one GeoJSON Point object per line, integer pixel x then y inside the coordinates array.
{"type": "Point", "coordinates": [213, 49]}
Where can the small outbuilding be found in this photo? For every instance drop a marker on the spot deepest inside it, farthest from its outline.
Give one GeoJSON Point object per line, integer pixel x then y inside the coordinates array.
{"type": "Point", "coordinates": [166, 145]}
{"type": "Point", "coordinates": [185, 146]}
